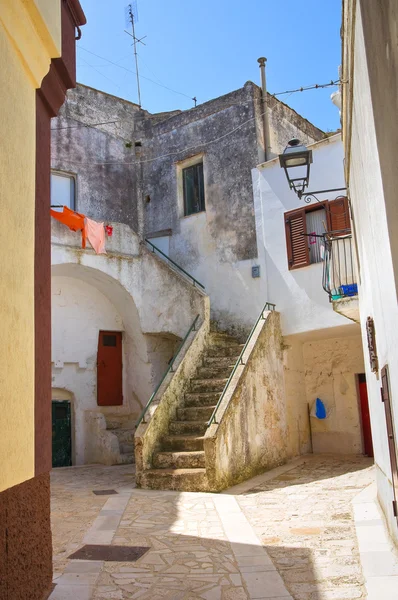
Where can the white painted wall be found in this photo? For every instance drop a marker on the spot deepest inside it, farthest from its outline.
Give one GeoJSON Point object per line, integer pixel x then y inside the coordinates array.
{"type": "Point", "coordinates": [236, 298]}
{"type": "Point", "coordinates": [377, 288]}
{"type": "Point", "coordinates": [128, 290]}
{"type": "Point", "coordinates": [298, 294]}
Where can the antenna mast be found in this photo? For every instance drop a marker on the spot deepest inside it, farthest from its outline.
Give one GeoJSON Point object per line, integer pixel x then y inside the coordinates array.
{"type": "Point", "coordinates": [133, 18]}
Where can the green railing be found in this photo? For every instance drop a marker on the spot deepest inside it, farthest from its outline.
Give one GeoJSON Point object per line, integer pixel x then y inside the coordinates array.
{"type": "Point", "coordinates": [169, 370]}
{"type": "Point", "coordinates": [267, 306]}
{"type": "Point", "coordinates": [195, 282]}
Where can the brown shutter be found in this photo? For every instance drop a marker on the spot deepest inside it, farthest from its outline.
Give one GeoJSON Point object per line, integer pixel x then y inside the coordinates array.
{"type": "Point", "coordinates": [297, 244]}
{"type": "Point", "coordinates": [339, 215]}
{"type": "Point", "coordinates": [386, 398]}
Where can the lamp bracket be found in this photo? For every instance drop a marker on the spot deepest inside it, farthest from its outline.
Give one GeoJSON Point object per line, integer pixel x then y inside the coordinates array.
{"type": "Point", "coordinates": [309, 196]}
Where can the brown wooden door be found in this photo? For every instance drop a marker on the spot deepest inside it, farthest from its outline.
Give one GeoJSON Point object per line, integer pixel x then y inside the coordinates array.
{"type": "Point", "coordinates": [365, 416]}
{"type": "Point", "coordinates": [109, 369]}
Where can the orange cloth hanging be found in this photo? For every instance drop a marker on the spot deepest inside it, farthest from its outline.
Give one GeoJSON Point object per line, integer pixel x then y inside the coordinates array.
{"type": "Point", "coordinates": [95, 233]}
{"type": "Point", "coordinates": [72, 219]}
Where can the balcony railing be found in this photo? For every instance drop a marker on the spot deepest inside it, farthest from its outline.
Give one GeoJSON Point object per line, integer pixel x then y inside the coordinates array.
{"type": "Point", "coordinates": [339, 273]}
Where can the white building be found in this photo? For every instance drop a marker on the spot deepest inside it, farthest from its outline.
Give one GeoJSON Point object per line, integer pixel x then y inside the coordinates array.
{"type": "Point", "coordinates": [369, 117]}
{"type": "Point", "coordinates": [323, 350]}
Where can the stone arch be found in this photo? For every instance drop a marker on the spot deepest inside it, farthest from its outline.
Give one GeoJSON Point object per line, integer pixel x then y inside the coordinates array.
{"type": "Point", "coordinates": [77, 290]}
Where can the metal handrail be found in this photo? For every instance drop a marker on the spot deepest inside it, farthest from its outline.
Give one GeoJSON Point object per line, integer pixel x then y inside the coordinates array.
{"type": "Point", "coordinates": [168, 370]}
{"type": "Point", "coordinates": [339, 279]}
{"type": "Point", "coordinates": [194, 281]}
{"type": "Point", "coordinates": [267, 306]}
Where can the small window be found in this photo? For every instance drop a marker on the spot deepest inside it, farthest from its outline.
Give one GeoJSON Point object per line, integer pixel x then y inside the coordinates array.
{"type": "Point", "coordinates": [62, 190]}
{"type": "Point", "coordinates": [194, 189]}
{"type": "Point", "coordinates": [109, 340]}
{"type": "Point", "coordinates": [305, 228]}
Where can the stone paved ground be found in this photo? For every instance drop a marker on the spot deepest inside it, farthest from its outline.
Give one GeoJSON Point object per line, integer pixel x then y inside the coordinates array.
{"type": "Point", "coordinates": [290, 537]}
{"type": "Point", "coordinates": [304, 518]}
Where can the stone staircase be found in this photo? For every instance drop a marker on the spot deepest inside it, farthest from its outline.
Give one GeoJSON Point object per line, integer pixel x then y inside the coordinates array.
{"type": "Point", "coordinates": [180, 463]}
{"type": "Point", "coordinates": [124, 428]}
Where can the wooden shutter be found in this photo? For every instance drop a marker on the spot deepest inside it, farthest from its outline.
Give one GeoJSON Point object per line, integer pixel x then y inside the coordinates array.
{"type": "Point", "coordinates": [297, 244]}
{"type": "Point", "coordinates": [386, 398]}
{"type": "Point", "coordinates": [339, 215]}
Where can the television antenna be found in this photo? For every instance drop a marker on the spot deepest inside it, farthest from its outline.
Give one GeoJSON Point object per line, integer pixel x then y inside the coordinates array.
{"type": "Point", "coordinates": [131, 13]}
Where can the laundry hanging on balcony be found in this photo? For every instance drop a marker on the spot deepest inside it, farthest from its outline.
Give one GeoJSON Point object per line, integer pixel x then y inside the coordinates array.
{"type": "Point", "coordinates": [91, 230]}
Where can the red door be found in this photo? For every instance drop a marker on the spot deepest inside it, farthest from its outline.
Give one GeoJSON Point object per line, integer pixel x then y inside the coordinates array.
{"type": "Point", "coordinates": [109, 369]}
{"type": "Point", "coordinates": [365, 416]}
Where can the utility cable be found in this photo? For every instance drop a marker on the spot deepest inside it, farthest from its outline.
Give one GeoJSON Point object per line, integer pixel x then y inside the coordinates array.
{"type": "Point", "coordinates": [135, 73]}
{"type": "Point", "coordinates": [183, 150]}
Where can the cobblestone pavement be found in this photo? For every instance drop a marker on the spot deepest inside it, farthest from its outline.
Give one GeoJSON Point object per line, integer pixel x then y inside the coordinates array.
{"type": "Point", "coordinates": [288, 534]}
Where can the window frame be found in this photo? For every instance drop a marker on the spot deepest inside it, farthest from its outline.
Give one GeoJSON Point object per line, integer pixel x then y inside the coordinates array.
{"type": "Point", "coordinates": [198, 175]}
{"type": "Point", "coordinates": [67, 175]}
{"type": "Point", "coordinates": [303, 211]}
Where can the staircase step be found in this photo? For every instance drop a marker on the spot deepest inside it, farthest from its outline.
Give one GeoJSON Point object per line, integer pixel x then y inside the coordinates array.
{"type": "Point", "coordinates": [213, 372]}
{"type": "Point", "coordinates": [195, 413]}
{"type": "Point", "coordinates": [182, 443]}
{"type": "Point", "coordinates": [222, 339]}
{"type": "Point", "coordinates": [220, 361]}
{"type": "Point", "coordinates": [208, 385]}
{"type": "Point", "coordinates": [124, 435]}
{"type": "Point", "coordinates": [220, 351]}
{"type": "Point", "coordinates": [187, 480]}
{"type": "Point", "coordinates": [179, 460]}
{"type": "Point", "coordinates": [201, 398]}
{"type": "Point", "coordinates": [180, 427]}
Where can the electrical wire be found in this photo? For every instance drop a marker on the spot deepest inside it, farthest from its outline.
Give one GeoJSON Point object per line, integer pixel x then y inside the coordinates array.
{"type": "Point", "coordinates": [135, 73]}
{"type": "Point", "coordinates": [184, 150]}
{"type": "Point", "coordinates": [316, 86]}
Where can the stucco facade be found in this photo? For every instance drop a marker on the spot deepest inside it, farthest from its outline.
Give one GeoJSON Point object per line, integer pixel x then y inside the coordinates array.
{"type": "Point", "coordinates": [128, 290]}
{"type": "Point", "coordinates": [37, 43]}
{"type": "Point", "coordinates": [142, 185]}
{"type": "Point", "coordinates": [323, 352]}
{"type": "Point", "coordinates": [370, 63]}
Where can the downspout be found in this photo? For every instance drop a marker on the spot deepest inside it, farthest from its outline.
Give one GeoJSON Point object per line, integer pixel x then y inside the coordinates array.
{"type": "Point", "coordinates": [264, 103]}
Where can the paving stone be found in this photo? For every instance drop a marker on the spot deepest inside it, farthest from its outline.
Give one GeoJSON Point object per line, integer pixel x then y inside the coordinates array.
{"type": "Point", "coordinates": [292, 536]}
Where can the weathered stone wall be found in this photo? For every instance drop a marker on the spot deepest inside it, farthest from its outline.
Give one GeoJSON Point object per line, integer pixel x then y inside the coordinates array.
{"type": "Point", "coordinates": [169, 397]}
{"type": "Point", "coordinates": [250, 436]}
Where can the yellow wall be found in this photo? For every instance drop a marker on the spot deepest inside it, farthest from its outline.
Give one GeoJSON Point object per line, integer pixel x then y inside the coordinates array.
{"type": "Point", "coordinates": [25, 60]}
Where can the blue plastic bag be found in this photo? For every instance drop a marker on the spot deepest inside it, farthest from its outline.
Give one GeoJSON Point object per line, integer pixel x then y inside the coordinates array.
{"type": "Point", "coordinates": [320, 410]}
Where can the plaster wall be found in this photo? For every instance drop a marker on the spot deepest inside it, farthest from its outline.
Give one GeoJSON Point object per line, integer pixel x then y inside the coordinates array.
{"type": "Point", "coordinates": [298, 294]}
{"type": "Point", "coordinates": [318, 366]}
{"type": "Point", "coordinates": [374, 226]}
{"type": "Point", "coordinates": [330, 373]}
{"type": "Point", "coordinates": [79, 312]}
{"type": "Point", "coordinates": [144, 188]}
{"type": "Point", "coordinates": [25, 58]}
{"type": "Point", "coordinates": [130, 290]}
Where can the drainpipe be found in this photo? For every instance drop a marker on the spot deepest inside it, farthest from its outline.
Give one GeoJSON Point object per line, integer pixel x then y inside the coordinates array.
{"type": "Point", "coordinates": [264, 104]}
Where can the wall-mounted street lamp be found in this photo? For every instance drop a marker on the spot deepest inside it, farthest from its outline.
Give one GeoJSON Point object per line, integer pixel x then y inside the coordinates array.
{"type": "Point", "coordinates": [296, 160]}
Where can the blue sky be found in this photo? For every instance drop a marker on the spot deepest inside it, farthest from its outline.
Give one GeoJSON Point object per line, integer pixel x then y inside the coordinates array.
{"type": "Point", "coordinates": [210, 47]}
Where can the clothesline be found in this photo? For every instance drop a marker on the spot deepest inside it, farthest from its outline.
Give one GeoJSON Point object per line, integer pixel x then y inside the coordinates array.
{"type": "Point", "coordinates": [91, 230]}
